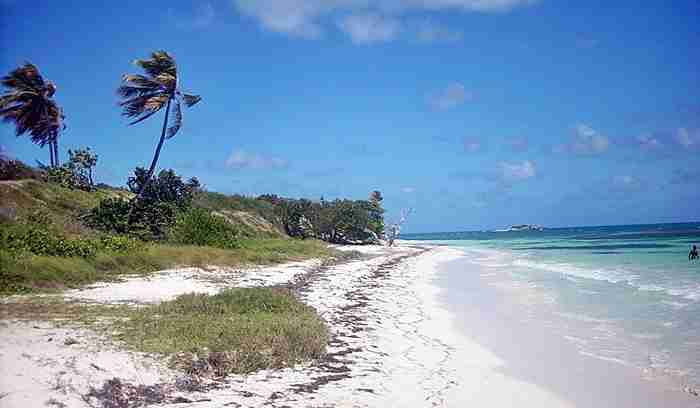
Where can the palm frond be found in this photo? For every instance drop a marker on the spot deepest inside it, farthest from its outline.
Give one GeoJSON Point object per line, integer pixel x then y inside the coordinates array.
{"type": "Point", "coordinates": [138, 100]}
{"type": "Point", "coordinates": [191, 100]}
{"type": "Point", "coordinates": [168, 81]}
{"type": "Point", "coordinates": [160, 62]}
{"type": "Point", "coordinates": [144, 117]}
{"type": "Point", "coordinates": [134, 85]}
{"type": "Point", "coordinates": [16, 97]}
{"type": "Point", "coordinates": [176, 121]}
{"type": "Point", "coordinates": [156, 102]}
{"type": "Point", "coordinates": [25, 77]}
{"type": "Point", "coordinates": [144, 95]}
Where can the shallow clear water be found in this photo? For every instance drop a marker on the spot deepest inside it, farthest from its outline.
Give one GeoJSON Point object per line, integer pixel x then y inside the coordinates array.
{"type": "Point", "coordinates": [622, 293]}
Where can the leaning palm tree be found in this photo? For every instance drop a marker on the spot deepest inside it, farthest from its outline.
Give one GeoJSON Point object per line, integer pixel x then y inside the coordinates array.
{"type": "Point", "coordinates": [145, 95]}
{"type": "Point", "coordinates": [51, 126]}
{"type": "Point", "coordinates": [28, 103]}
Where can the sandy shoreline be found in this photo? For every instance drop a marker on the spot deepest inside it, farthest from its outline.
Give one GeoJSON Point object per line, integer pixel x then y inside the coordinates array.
{"type": "Point", "coordinates": [392, 343]}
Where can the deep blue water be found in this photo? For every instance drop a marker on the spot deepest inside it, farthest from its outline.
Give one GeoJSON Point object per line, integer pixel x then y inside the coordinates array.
{"type": "Point", "coordinates": [623, 293]}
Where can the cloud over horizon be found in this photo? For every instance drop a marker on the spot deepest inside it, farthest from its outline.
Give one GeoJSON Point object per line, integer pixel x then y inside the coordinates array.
{"type": "Point", "coordinates": [240, 159]}
{"type": "Point", "coordinates": [586, 141]}
{"type": "Point", "coordinates": [369, 28]}
{"type": "Point", "coordinates": [514, 172]}
{"type": "Point", "coordinates": [666, 143]}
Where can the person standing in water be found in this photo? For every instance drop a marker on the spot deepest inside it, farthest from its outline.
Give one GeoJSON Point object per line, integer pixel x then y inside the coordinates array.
{"type": "Point", "coordinates": [693, 253]}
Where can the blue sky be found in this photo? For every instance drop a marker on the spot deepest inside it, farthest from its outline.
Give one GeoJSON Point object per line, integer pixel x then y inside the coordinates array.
{"type": "Point", "coordinates": [475, 113]}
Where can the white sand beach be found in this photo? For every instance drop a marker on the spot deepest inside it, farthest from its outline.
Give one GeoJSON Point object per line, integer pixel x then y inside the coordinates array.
{"type": "Point", "coordinates": [393, 343]}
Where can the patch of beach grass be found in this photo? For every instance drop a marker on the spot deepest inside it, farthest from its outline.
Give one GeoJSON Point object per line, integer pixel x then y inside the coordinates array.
{"type": "Point", "coordinates": [236, 331]}
{"type": "Point", "coordinates": [57, 310]}
{"type": "Point", "coordinates": [35, 273]}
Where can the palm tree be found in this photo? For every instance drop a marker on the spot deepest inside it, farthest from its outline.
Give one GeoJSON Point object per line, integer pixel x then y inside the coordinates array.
{"type": "Point", "coordinates": [28, 103]}
{"type": "Point", "coordinates": [51, 126]}
{"type": "Point", "coordinates": [145, 95]}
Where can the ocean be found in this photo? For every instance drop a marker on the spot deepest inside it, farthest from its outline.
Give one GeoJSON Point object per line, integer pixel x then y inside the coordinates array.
{"type": "Point", "coordinates": [624, 294]}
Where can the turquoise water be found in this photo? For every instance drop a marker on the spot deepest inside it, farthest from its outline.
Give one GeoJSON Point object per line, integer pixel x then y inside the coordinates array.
{"type": "Point", "coordinates": [627, 294]}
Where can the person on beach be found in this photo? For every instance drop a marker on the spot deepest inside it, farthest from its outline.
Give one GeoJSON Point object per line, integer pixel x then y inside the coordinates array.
{"type": "Point", "coordinates": [693, 253]}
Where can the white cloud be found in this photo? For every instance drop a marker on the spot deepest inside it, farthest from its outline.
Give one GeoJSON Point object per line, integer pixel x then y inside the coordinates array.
{"type": "Point", "coordinates": [311, 18]}
{"type": "Point", "coordinates": [466, 5]}
{"type": "Point", "coordinates": [689, 139]}
{"type": "Point", "coordinates": [587, 141]}
{"type": "Point", "coordinates": [370, 28]}
{"type": "Point", "coordinates": [450, 97]}
{"type": "Point", "coordinates": [408, 190]}
{"type": "Point", "coordinates": [240, 159]}
{"type": "Point", "coordinates": [430, 32]}
{"type": "Point", "coordinates": [512, 172]}
{"type": "Point", "coordinates": [626, 183]}
{"type": "Point", "coordinates": [295, 17]}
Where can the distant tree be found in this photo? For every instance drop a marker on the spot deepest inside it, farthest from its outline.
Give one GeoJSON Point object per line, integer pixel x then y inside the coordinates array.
{"type": "Point", "coordinates": [81, 162]}
{"type": "Point", "coordinates": [375, 197]}
{"type": "Point", "coordinates": [376, 213]}
{"type": "Point", "coordinates": [28, 103]}
{"type": "Point", "coordinates": [142, 96]}
{"type": "Point", "coordinates": [168, 187]}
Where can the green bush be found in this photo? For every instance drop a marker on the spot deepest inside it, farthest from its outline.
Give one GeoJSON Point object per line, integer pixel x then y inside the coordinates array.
{"type": "Point", "coordinates": [36, 240]}
{"type": "Point", "coordinates": [67, 176]}
{"type": "Point", "coordinates": [150, 215]}
{"type": "Point", "coordinates": [199, 227]}
{"type": "Point", "coordinates": [110, 215]}
{"type": "Point", "coordinates": [119, 244]}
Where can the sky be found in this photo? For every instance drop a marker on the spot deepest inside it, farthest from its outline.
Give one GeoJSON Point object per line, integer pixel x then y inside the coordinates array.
{"type": "Point", "coordinates": [475, 114]}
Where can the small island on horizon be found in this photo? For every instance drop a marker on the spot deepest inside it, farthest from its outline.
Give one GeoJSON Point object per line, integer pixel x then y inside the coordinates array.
{"type": "Point", "coordinates": [522, 227]}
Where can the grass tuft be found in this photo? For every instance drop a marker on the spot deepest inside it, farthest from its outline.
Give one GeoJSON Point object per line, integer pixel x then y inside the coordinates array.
{"type": "Point", "coordinates": [236, 331]}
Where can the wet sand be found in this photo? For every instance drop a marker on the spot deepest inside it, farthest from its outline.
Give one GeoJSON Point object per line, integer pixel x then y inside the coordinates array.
{"type": "Point", "coordinates": [534, 353]}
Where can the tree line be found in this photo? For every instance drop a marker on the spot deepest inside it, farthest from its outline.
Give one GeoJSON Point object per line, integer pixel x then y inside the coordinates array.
{"type": "Point", "coordinates": [337, 221]}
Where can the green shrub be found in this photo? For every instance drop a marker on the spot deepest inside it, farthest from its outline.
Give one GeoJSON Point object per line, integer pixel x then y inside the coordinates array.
{"type": "Point", "coordinates": [199, 227]}
{"type": "Point", "coordinates": [119, 244]}
{"type": "Point", "coordinates": [40, 216]}
{"type": "Point", "coordinates": [110, 215]}
{"type": "Point", "coordinates": [149, 216]}
{"type": "Point", "coordinates": [67, 176]}
{"type": "Point", "coordinates": [36, 240]}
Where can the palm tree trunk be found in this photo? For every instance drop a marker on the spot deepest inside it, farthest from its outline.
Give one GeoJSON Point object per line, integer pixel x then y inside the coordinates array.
{"type": "Point", "coordinates": [55, 149]}
{"type": "Point", "coordinates": [51, 154]}
{"type": "Point", "coordinates": [153, 165]}
{"type": "Point", "coordinates": [152, 169]}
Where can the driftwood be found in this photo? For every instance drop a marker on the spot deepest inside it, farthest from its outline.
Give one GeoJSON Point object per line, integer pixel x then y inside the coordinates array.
{"type": "Point", "coordinates": [395, 229]}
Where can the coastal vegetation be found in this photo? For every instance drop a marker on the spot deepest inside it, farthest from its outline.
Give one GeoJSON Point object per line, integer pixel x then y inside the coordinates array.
{"type": "Point", "coordinates": [60, 229]}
